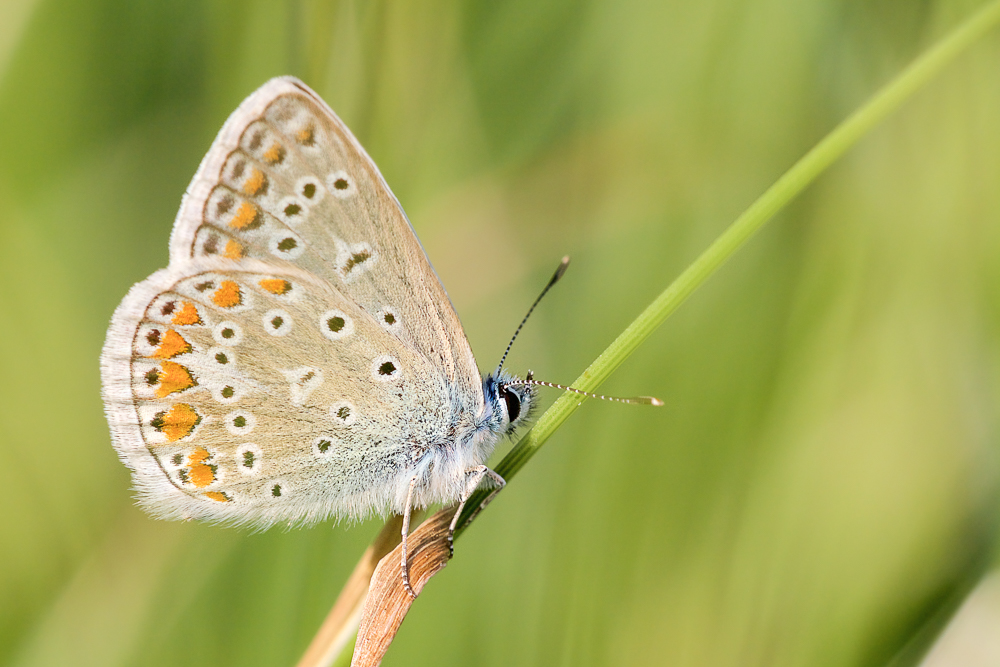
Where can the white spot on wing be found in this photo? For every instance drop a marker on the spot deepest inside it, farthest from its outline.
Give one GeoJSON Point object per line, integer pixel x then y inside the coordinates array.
{"type": "Point", "coordinates": [254, 459]}
{"type": "Point", "coordinates": [302, 381]}
{"type": "Point", "coordinates": [285, 245]}
{"type": "Point", "coordinates": [335, 324]}
{"type": "Point", "coordinates": [277, 322]}
{"type": "Point", "coordinates": [228, 394]}
{"type": "Point", "coordinates": [278, 490]}
{"type": "Point", "coordinates": [221, 358]}
{"type": "Point", "coordinates": [228, 333]}
{"type": "Point", "coordinates": [389, 319]}
{"type": "Point", "coordinates": [240, 422]}
{"type": "Point", "coordinates": [343, 413]}
{"type": "Point", "coordinates": [312, 194]}
{"type": "Point", "coordinates": [386, 368]}
{"type": "Point", "coordinates": [322, 447]}
{"type": "Point", "coordinates": [341, 184]}
{"type": "Point", "coordinates": [353, 259]}
{"type": "Point", "coordinates": [292, 210]}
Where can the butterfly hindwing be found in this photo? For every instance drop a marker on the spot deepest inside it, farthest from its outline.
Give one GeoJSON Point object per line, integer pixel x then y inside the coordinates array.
{"type": "Point", "coordinates": [221, 422]}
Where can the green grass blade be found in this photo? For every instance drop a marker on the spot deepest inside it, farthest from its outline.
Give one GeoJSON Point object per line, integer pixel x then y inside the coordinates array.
{"type": "Point", "coordinates": [794, 181]}
{"type": "Point", "coordinates": [786, 188]}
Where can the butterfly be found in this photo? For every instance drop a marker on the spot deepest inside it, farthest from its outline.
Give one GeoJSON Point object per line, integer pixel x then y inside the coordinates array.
{"type": "Point", "coordinates": [298, 359]}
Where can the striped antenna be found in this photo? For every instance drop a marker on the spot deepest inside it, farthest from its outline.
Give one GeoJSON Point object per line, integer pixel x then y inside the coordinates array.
{"type": "Point", "coordinates": [555, 278]}
{"type": "Point", "coordinates": [635, 400]}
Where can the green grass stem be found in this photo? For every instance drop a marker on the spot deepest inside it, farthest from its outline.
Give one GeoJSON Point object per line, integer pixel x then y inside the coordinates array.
{"type": "Point", "coordinates": [786, 188]}
{"type": "Point", "coordinates": [889, 98]}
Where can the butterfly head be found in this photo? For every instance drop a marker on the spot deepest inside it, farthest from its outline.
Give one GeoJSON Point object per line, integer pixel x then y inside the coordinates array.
{"type": "Point", "coordinates": [507, 407]}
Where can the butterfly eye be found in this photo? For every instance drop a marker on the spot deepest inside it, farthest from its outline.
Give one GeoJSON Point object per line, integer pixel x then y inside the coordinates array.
{"type": "Point", "coordinates": [513, 405]}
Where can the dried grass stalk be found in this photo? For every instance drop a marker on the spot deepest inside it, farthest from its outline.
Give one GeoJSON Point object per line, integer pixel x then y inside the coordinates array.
{"type": "Point", "coordinates": [342, 621]}
{"type": "Point", "coordinates": [388, 602]}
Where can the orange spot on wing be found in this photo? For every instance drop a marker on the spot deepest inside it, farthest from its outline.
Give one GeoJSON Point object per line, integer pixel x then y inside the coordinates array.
{"type": "Point", "coordinates": [234, 250]}
{"type": "Point", "coordinates": [200, 455]}
{"type": "Point", "coordinates": [276, 285]}
{"type": "Point", "coordinates": [187, 316]}
{"type": "Point", "coordinates": [256, 184]}
{"type": "Point", "coordinates": [275, 154]}
{"type": "Point", "coordinates": [247, 216]}
{"type": "Point", "coordinates": [173, 378]}
{"type": "Point", "coordinates": [200, 473]}
{"type": "Point", "coordinates": [228, 295]}
{"type": "Point", "coordinates": [172, 345]}
{"type": "Point", "coordinates": [178, 422]}
{"type": "Point", "coordinates": [306, 136]}
{"type": "Point", "coordinates": [217, 495]}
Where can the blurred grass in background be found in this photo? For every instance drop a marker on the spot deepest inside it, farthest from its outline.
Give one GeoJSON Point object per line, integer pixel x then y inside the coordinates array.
{"type": "Point", "coordinates": [824, 476]}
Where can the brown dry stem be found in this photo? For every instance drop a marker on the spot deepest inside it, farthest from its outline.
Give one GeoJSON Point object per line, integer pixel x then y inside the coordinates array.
{"type": "Point", "coordinates": [388, 602]}
{"type": "Point", "coordinates": [374, 592]}
{"type": "Point", "coordinates": [340, 624]}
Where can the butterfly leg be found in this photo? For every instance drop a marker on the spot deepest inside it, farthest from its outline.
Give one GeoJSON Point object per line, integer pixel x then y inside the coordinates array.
{"type": "Point", "coordinates": [478, 473]}
{"type": "Point", "coordinates": [406, 529]}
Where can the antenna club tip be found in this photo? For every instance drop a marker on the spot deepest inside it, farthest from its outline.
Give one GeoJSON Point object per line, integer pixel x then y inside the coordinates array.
{"type": "Point", "coordinates": [563, 265]}
{"type": "Point", "coordinates": [653, 400]}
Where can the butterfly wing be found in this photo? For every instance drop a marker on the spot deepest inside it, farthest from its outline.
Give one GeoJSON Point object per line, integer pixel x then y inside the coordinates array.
{"type": "Point", "coordinates": [299, 355]}
{"type": "Point", "coordinates": [286, 180]}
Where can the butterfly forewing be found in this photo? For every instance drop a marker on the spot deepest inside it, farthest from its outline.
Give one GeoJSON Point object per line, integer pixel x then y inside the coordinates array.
{"type": "Point", "coordinates": [299, 351]}
{"type": "Point", "coordinates": [286, 181]}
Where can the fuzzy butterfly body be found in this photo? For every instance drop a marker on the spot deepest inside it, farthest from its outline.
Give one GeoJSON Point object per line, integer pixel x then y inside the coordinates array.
{"type": "Point", "coordinates": [298, 359]}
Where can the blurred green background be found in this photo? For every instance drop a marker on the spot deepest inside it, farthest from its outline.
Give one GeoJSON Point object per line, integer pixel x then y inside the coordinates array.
{"type": "Point", "coordinates": [823, 479]}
